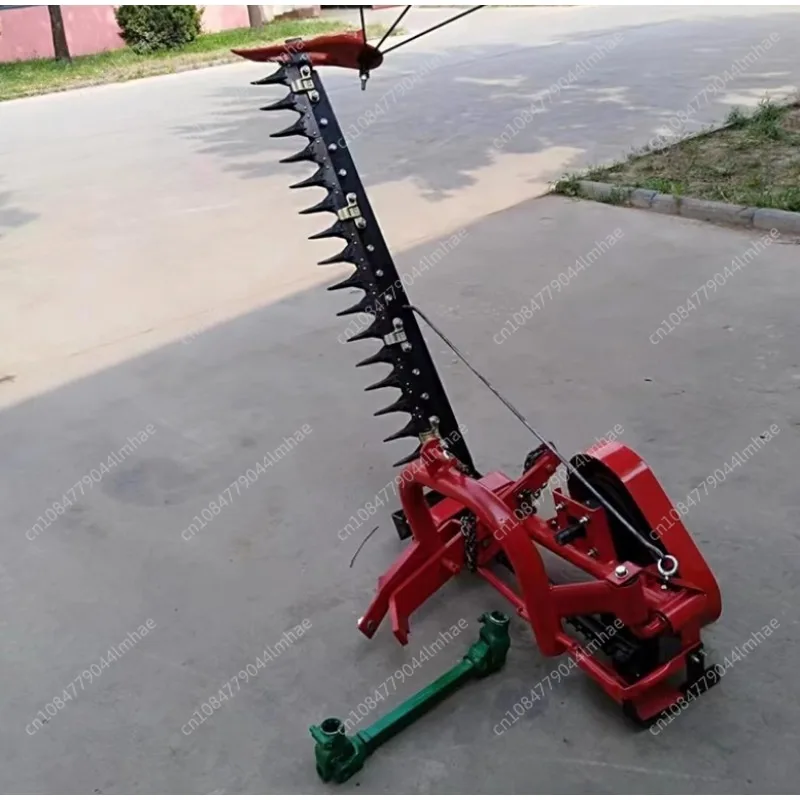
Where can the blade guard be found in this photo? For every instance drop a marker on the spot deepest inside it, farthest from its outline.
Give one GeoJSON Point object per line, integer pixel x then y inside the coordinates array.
{"type": "Point", "coordinates": [652, 500]}
{"type": "Point", "coordinates": [348, 50]}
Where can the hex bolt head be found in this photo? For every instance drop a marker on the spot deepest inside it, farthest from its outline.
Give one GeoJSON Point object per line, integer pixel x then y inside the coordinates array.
{"type": "Point", "coordinates": [620, 571]}
{"type": "Point", "coordinates": [323, 121]}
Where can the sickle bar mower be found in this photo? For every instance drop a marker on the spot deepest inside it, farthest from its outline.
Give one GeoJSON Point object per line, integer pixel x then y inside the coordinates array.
{"type": "Point", "coordinates": [633, 623]}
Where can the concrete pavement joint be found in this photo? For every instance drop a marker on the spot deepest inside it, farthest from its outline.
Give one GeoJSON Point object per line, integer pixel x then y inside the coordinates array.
{"type": "Point", "coordinates": [786, 222]}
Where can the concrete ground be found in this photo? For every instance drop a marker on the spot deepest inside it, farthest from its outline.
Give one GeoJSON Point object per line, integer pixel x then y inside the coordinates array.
{"type": "Point", "coordinates": [136, 216]}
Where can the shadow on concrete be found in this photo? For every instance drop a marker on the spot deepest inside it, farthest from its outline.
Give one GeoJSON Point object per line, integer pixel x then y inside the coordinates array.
{"type": "Point", "coordinates": [11, 216]}
{"type": "Point", "coordinates": [487, 87]}
{"type": "Point", "coordinates": [270, 556]}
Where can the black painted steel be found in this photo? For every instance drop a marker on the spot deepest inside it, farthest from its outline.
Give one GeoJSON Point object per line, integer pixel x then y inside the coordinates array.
{"type": "Point", "coordinates": [383, 312]}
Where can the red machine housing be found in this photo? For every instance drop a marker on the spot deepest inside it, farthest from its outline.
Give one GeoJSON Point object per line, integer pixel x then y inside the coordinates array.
{"type": "Point", "coordinates": [650, 607]}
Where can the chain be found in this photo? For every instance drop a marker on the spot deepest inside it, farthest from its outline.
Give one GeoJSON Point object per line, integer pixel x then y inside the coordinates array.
{"type": "Point", "coordinates": [469, 530]}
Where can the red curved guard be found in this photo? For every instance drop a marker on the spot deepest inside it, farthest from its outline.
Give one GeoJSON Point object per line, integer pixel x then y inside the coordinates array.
{"type": "Point", "coordinates": [347, 50]}
{"type": "Point", "coordinates": [653, 502]}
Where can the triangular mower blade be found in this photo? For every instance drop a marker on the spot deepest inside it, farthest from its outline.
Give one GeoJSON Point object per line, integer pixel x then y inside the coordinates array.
{"type": "Point", "coordinates": [391, 381]}
{"type": "Point", "coordinates": [337, 230]}
{"type": "Point", "coordinates": [372, 332]}
{"type": "Point", "coordinates": [409, 458]}
{"type": "Point", "coordinates": [317, 179]}
{"type": "Point", "coordinates": [284, 104]}
{"type": "Point", "coordinates": [411, 430]}
{"type": "Point", "coordinates": [348, 256]}
{"type": "Point", "coordinates": [308, 153]}
{"type": "Point", "coordinates": [403, 403]}
{"type": "Point", "coordinates": [326, 204]}
{"type": "Point", "coordinates": [354, 281]}
{"type": "Point", "coordinates": [279, 76]}
{"type": "Point", "coordinates": [297, 128]}
{"type": "Point", "coordinates": [363, 305]}
{"type": "Point", "coordinates": [383, 356]}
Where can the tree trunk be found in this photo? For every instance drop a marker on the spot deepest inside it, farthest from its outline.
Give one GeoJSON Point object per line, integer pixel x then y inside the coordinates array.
{"type": "Point", "coordinates": [59, 34]}
{"type": "Point", "coordinates": [256, 16]}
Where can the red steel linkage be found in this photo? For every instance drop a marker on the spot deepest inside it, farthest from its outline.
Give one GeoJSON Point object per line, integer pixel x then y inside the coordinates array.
{"type": "Point", "coordinates": [649, 606]}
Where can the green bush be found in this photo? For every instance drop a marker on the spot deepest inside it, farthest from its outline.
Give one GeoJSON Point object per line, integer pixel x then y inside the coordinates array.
{"type": "Point", "coordinates": [147, 29]}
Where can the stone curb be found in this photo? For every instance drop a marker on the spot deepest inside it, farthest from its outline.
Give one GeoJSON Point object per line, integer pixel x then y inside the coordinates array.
{"type": "Point", "coordinates": [766, 219]}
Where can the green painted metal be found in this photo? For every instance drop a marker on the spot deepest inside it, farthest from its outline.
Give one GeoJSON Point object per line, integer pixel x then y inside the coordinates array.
{"type": "Point", "coordinates": [340, 756]}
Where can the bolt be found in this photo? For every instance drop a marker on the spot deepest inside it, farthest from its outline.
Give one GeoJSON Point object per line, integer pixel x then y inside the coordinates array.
{"type": "Point", "coordinates": [592, 552]}
{"type": "Point", "coordinates": [425, 396]}
{"type": "Point", "coordinates": [415, 371]}
{"type": "Point", "coordinates": [361, 222]}
{"type": "Point", "coordinates": [559, 506]}
{"type": "Point", "coordinates": [379, 273]}
{"type": "Point", "coordinates": [342, 173]}
{"type": "Point", "coordinates": [583, 520]}
{"type": "Point", "coordinates": [332, 147]}
{"type": "Point", "coordinates": [371, 248]}
{"type": "Point", "coordinates": [323, 121]}
{"type": "Point", "coordinates": [397, 322]}
{"type": "Point", "coordinates": [621, 571]}
{"type": "Point", "coordinates": [313, 96]}
{"type": "Point", "coordinates": [405, 346]}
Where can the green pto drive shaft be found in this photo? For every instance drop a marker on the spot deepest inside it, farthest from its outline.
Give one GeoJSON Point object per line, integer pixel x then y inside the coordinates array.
{"type": "Point", "coordinates": [340, 756]}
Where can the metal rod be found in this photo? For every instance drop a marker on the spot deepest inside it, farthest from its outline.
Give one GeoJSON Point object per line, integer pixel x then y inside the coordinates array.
{"type": "Point", "coordinates": [649, 545]}
{"type": "Point", "coordinates": [434, 27]}
{"type": "Point", "coordinates": [389, 32]}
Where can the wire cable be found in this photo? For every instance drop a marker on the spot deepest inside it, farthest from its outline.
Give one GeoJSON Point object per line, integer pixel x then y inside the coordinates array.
{"type": "Point", "coordinates": [433, 28]}
{"type": "Point", "coordinates": [655, 551]}
{"type": "Point", "coordinates": [394, 25]}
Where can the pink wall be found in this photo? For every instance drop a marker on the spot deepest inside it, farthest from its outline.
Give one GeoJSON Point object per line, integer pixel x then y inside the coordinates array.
{"type": "Point", "coordinates": [222, 18]}
{"type": "Point", "coordinates": [25, 32]}
{"type": "Point", "coordinates": [91, 29]}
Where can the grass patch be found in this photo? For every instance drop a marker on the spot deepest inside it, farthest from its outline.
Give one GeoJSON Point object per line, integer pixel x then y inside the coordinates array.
{"type": "Point", "coordinates": [42, 76]}
{"type": "Point", "coordinates": [753, 161]}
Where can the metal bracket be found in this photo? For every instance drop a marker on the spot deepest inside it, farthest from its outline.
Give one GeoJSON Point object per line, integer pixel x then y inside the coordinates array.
{"type": "Point", "coordinates": [305, 83]}
{"type": "Point", "coordinates": [398, 335]}
{"type": "Point", "coordinates": [351, 211]}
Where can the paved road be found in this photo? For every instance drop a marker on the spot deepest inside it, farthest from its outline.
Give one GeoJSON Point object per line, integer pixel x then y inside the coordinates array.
{"type": "Point", "coordinates": [170, 187]}
{"type": "Point", "coordinates": [133, 216]}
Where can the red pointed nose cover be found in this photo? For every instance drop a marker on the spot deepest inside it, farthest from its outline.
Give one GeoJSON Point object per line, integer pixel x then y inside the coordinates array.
{"type": "Point", "coordinates": [347, 50]}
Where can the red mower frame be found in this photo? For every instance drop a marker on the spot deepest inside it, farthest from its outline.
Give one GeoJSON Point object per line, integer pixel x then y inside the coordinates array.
{"type": "Point", "coordinates": [648, 605]}
{"type": "Point", "coordinates": [615, 523]}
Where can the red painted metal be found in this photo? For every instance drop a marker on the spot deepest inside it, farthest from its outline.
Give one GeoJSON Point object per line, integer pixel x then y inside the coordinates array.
{"type": "Point", "coordinates": [347, 50]}
{"type": "Point", "coordinates": [640, 599]}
